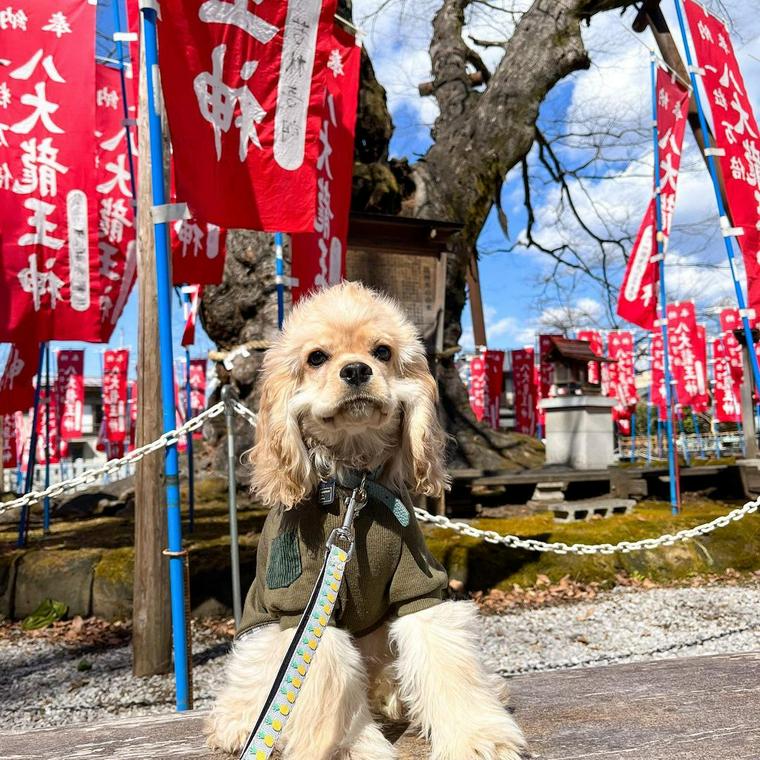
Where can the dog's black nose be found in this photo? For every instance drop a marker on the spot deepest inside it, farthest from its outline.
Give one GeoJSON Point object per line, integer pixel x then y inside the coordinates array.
{"type": "Point", "coordinates": [357, 373]}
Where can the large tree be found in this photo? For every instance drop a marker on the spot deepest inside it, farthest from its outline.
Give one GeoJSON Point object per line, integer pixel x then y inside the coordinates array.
{"type": "Point", "coordinates": [487, 124]}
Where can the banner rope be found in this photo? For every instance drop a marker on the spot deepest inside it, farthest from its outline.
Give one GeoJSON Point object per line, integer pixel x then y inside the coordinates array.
{"type": "Point", "coordinates": [440, 521]}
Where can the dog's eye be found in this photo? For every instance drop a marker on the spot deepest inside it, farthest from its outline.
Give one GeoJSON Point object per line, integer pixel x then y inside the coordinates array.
{"type": "Point", "coordinates": [317, 358]}
{"type": "Point", "coordinates": [383, 353]}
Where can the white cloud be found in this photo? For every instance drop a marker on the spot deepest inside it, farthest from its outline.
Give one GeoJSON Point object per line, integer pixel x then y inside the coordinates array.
{"type": "Point", "coordinates": [613, 96]}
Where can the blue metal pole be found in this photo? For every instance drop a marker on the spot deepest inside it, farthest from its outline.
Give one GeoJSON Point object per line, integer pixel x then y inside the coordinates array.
{"type": "Point", "coordinates": [659, 436]}
{"type": "Point", "coordinates": [663, 296]}
{"type": "Point", "coordinates": [649, 426]}
{"type": "Point", "coordinates": [279, 264]}
{"type": "Point", "coordinates": [46, 501]}
{"type": "Point", "coordinates": [698, 433]}
{"type": "Point", "coordinates": [24, 516]}
{"type": "Point", "coordinates": [633, 437]}
{"type": "Point", "coordinates": [171, 464]}
{"type": "Point", "coordinates": [718, 197]}
{"type": "Point", "coordinates": [190, 463]}
{"type": "Point", "coordinates": [124, 101]}
{"type": "Point", "coordinates": [682, 432]}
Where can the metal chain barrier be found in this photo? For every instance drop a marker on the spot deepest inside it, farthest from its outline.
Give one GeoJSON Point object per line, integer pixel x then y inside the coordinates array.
{"type": "Point", "coordinates": [624, 547]}
{"type": "Point", "coordinates": [244, 412]}
{"type": "Point", "coordinates": [440, 521]}
{"type": "Point", "coordinates": [112, 465]}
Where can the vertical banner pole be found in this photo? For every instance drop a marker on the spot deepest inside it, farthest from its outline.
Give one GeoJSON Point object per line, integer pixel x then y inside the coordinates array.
{"type": "Point", "coordinates": [674, 501]}
{"type": "Point", "coordinates": [124, 101]}
{"type": "Point", "coordinates": [633, 437]}
{"type": "Point", "coordinates": [190, 462]}
{"type": "Point", "coordinates": [718, 197]}
{"type": "Point", "coordinates": [46, 501]}
{"type": "Point", "coordinates": [171, 463]}
{"type": "Point", "coordinates": [649, 426]}
{"type": "Point", "coordinates": [227, 397]}
{"type": "Point", "coordinates": [698, 433]}
{"type": "Point", "coordinates": [279, 271]}
{"type": "Point", "coordinates": [23, 522]}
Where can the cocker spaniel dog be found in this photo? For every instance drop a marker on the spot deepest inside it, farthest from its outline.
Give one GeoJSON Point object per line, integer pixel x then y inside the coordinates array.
{"type": "Point", "coordinates": [347, 390]}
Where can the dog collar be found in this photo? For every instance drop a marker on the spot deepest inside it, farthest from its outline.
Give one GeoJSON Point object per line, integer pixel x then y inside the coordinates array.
{"type": "Point", "coordinates": [374, 490]}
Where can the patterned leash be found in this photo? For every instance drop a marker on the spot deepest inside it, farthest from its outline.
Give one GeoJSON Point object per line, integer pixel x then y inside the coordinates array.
{"type": "Point", "coordinates": [297, 661]}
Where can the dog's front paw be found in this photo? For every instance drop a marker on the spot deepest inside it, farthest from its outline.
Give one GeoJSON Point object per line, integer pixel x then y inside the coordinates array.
{"type": "Point", "coordinates": [495, 739]}
{"type": "Point", "coordinates": [225, 733]}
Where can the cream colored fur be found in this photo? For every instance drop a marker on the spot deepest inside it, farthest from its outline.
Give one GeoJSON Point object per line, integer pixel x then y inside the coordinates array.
{"type": "Point", "coordinates": [312, 425]}
{"type": "Point", "coordinates": [445, 688]}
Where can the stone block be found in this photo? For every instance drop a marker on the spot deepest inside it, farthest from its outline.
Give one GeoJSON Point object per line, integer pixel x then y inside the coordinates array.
{"type": "Point", "coordinates": [112, 584]}
{"type": "Point", "coordinates": [8, 566]}
{"type": "Point", "coordinates": [550, 491]}
{"type": "Point", "coordinates": [60, 574]}
{"type": "Point", "coordinates": [579, 432]}
{"type": "Point", "coordinates": [588, 509]}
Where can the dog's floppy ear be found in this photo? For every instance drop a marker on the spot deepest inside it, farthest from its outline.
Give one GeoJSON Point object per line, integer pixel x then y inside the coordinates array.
{"type": "Point", "coordinates": [282, 472]}
{"type": "Point", "coordinates": [423, 441]}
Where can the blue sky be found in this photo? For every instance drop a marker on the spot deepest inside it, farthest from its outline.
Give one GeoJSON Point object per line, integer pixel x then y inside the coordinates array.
{"type": "Point", "coordinates": [613, 93]}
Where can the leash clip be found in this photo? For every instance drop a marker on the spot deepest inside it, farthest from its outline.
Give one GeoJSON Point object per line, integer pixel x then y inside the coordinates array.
{"type": "Point", "coordinates": [354, 504]}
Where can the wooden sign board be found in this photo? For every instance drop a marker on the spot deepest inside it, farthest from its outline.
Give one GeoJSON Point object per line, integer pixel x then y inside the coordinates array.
{"type": "Point", "coordinates": [405, 258]}
{"type": "Point", "coordinates": [414, 281]}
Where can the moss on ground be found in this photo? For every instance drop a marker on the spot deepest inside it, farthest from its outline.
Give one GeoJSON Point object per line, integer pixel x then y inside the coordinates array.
{"type": "Point", "coordinates": [478, 564]}
{"type": "Point", "coordinates": [117, 566]}
{"type": "Point", "coordinates": [487, 565]}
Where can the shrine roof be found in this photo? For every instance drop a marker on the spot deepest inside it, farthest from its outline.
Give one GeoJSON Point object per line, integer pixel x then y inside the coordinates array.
{"type": "Point", "coordinates": [576, 350]}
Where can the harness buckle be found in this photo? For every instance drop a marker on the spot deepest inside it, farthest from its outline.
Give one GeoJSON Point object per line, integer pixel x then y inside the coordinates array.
{"type": "Point", "coordinates": [354, 504]}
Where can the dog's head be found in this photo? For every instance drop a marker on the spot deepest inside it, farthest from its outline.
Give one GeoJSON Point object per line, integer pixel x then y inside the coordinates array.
{"type": "Point", "coordinates": [346, 386]}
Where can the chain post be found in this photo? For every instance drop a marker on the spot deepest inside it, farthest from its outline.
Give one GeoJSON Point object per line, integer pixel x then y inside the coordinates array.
{"type": "Point", "coordinates": [229, 401]}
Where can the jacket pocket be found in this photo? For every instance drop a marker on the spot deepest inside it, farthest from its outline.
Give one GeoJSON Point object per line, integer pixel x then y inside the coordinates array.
{"type": "Point", "coordinates": [284, 566]}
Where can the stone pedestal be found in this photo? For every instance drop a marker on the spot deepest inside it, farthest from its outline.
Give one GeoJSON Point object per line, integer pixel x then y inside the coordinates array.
{"type": "Point", "coordinates": [579, 432]}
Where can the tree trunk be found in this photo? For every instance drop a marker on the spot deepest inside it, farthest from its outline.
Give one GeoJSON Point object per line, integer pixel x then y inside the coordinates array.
{"type": "Point", "coordinates": [478, 137]}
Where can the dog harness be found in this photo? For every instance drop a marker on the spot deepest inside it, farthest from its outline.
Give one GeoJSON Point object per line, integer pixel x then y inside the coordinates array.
{"type": "Point", "coordinates": [295, 665]}
{"type": "Point", "coordinates": [392, 574]}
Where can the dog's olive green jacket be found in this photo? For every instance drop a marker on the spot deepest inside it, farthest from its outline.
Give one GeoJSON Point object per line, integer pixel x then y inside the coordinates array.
{"type": "Point", "coordinates": [391, 573]}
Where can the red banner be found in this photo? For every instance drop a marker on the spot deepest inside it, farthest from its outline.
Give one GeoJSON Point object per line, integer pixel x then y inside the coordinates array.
{"type": "Point", "coordinates": [116, 216]}
{"type": "Point", "coordinates": [736, 132]}
{"type": "Point", "coordinates": [478, 386]}
{"type": "Point", "coordinates": [50, 448]}
{"type": "Point", "coordinates": [198, 252]}
{"type": "Point", "coordinates": [70, 389]}
{"type": "Point", "coordinates": [546, 368]}
{"type": "Point", "coordinates": [49, 262]}
{"type": "Point", "coordinates": [727, 405]}
{"type": "Point", "coordinates": [10, 443]}
{"type": "Point", "coordinates": [523, 379]}
{"type": "Point", "coordinates": [701, 399]}
{"type": "Point", "coordinates": [243, 87]}
{"type": "Point", "coordinates": [622, 383]}
{"type": "Point", "coordinates": [638, 297]}
{"type": "Point", "coordinates": [197, 385]}
{"type": "Point", "coordinates": [132, 412]}
{"type": "Point", "coordinates": [17, 381]}
{"type": "Point", "coordinates": [658, 397]}
{"type": "Point", "coordinates": [318, 258]}
{"type": "Point", "coordinates": [486, 379]}
{"type": "Point", "coordinates": [115, 368]}
{"type": "Point", "coordinates": [596, 344]}
{"type": "Point", "coordinates": [687, 362]}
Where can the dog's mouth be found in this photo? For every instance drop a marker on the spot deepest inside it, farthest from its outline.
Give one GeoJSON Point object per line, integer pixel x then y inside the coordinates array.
{"type": "Point", "coordinates": [357, 407]}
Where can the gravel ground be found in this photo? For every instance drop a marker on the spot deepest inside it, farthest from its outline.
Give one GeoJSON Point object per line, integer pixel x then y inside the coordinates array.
{"type": "Point", "coordinates": [50, 683]}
